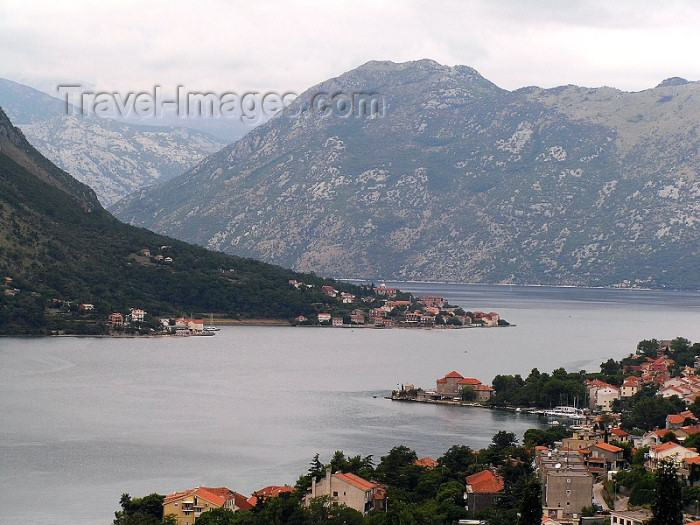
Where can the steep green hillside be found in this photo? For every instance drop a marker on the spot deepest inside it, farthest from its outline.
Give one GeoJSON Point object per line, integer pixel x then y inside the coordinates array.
{"type": "Point", "coordinates": [57, 242]}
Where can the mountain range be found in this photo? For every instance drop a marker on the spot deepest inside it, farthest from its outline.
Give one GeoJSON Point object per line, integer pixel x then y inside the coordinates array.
{"type": "Point", "coordinates": [114, 158]}
{"type": "Point", "coordinates": [59, 246]}
{"type": "Point", "coordinates": [455, 179]}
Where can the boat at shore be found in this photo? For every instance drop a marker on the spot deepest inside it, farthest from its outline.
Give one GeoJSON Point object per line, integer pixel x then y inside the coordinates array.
{"type": "Point", "coordinates": [565, 412]}
{"type": "Point", "coordinates": [210, 327]}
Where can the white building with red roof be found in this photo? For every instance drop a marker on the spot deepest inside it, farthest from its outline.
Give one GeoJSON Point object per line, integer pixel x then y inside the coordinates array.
{"type": "Point", "coordinates": [601, 395]}
{"type": "Point", "coordinates": [669, 451]}
{"type": "Point", "coordinates": [346, 489]}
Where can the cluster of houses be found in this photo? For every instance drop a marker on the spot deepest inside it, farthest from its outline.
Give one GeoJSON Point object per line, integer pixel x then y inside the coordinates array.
{"type": "Point", "coordinates": [449, 388]}
{"type": "Point", "coordinates": [341, 488]}
{"type": "Point", "coordinates": [159, 257]}
{"type": "Point", "coordinates": [118, 321]}
{"type": "Point", "coordinates": [423, 312]}
{"type": "Point", "coordinates": [651, 371]}
{"type": "Point", "coordinates": [568, 471]}
{"type": "Point", "coordinates": [188, 505]}
{"type": "Point", "coordinates": [180, 326]}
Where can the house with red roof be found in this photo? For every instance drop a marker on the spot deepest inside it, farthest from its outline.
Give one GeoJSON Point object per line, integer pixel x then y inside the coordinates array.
{"type": "Point", "coordinates": [678, 420]}
{"type": "Point", "coordinates": [630, 386]}
{"type": "Point", "coordinates": [483, 490]}
{"type": "Point", "coordinates": [427, 463]}
{"type": "Point", "coordinates": [116, 320]}
{"type": "Point", "coordinates": [685, 432]}
{"type": "Point", "coordinates": [329, 290]}
{"type": "Point", "coordinates": [605, 457]}
{"type": "Point", "coordinates": [673, 451]}
{"type": "Point", "coordinates": [483, 392]}
{"type": "Point", "coordinates": [383, 289]}
{"type": "Point", "coordinates": [451, 385]}
{"type": "Point", "coordinates": [271, 491]}
{"type": "Point", "coordinates": [188, 505]}
{"type": "Point", "coordinates": [346, 489]}
{"type": "Point", "coordinates": [617, 434]}
{"type": "Point", "coordinates": [601, 395]}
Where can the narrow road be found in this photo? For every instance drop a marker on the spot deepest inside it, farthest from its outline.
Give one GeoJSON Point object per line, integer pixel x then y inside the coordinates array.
{"type": "Point", "coordinates": [598, 496]}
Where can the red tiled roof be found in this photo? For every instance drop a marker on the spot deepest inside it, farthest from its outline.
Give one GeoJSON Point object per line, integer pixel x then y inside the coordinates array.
{"type": "Point", "coordinates": [354, 480]}
{"type": "Point", "coordinates": [693, 461]}
{"type": "Point", "coordinates": [619, 432]}
{"type": "Point", "coordinates": [468, 381]}
{"type": "Point", "coordinates": [442, 380]}
{"type": "Point", "coordinates": [485, 482]}
{"type": "Point", "coordinates": [201, 492]}
{"type": "Point", "coordinates": [426, 463]}
{"type": "Point", "coordinates": [608, 447]}
{"type": "Point", "coordinates": [239, 500]}
{"type": "Point", "coordinates": [272, 491]}
{"type": "Point", "coordinates": [664, 446]}
{"type": "Point", "coordinates": [454, 374]}
{"type": "Point", "coordinates": [675, 418]}
{"type": "Point", "coordinates": [483, 388]}
{"type": "Point", "coordinates": [692, 429]}
{"type": "Point", "coordinates": [661, 432]}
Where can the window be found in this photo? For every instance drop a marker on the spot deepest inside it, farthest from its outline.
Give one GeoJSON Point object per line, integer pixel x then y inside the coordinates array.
{"type": "Point", "coordinates": [335, 494]}
{"type": "Point", "coordinates": [568, 504]}
{"type": "Point", "coordinates": [568, 492]}
{"type": "Point", "coordinates": [568, 480]}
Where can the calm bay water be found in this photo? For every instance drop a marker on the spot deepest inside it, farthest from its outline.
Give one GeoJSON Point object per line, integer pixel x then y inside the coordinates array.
{"type": "Point", "coordinates": [85, 419]}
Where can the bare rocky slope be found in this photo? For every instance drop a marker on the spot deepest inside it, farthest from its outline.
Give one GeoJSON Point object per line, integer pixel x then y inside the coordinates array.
{"type": "Point", "coordinates": [458, 180]}
{"type": "Point", "coordinates": [114, 158]}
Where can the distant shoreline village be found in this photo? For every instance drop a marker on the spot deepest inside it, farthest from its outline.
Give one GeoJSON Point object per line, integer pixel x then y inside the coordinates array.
{"type": "Point", "coordinates": [388, 307]}
{"type": "Point", "coordinates": [375, 307]}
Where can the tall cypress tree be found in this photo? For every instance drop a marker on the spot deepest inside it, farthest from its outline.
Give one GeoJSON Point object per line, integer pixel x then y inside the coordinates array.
{"type": "Point", "coordinates": [667, 505]}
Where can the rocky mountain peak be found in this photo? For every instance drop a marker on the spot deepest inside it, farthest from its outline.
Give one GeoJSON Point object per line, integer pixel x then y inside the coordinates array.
{"type": "Point", "coordinates": [457, 180]}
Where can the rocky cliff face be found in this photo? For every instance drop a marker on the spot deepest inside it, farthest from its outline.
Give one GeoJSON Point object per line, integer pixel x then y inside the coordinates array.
{"type": "Point", "coordinates": [113, 158]}
{"type": "Point", "coordinates": [455, 179]}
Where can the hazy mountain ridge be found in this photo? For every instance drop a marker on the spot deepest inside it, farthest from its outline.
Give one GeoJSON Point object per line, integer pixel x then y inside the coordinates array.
{"type": "Point", "coordinates": [114, 158]}
{"type": "Point", "coordinates": [460, 180]}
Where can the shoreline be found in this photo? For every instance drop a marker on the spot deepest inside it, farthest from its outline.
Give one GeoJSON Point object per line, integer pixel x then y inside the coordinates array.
{"type": "Point", "coordinates": [263, 323]}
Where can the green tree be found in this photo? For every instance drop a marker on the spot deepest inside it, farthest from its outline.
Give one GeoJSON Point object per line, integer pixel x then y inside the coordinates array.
{"type": "Point", "coordinates": [454, 321]}
{"type": "Point", "coordinates": [455, 462]}
{"type": "Point", "coordinates": [467, 393]}
{"type": "Point", "coordinates": [140, 511]}
{"type": "Point", "coordinates": [531, 503]}
{"type": "Point", "coordinates": [398, 469]}
{"type": "Point", "coordinates": [648, 347]}
{"type": "Point", "coordinates": [610, 367]}
{"type": "Point", "coordinates": [667, 506]}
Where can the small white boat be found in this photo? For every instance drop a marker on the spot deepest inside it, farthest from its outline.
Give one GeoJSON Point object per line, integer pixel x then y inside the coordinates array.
{"type": "Point", "coordinates": [210, 327]}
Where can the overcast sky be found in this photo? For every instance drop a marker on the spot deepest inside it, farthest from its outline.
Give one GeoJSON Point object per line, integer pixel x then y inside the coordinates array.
{"type": "Point", "coordinates": [289, 46]}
